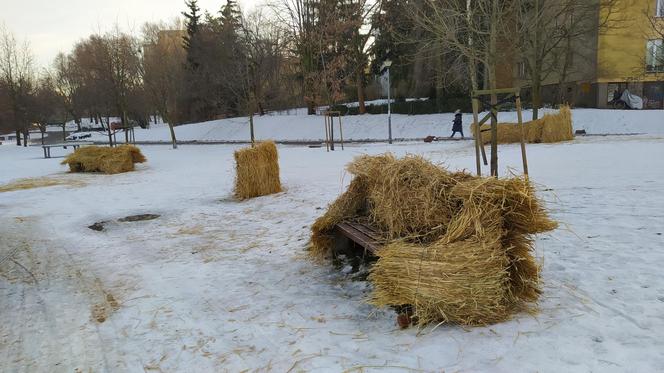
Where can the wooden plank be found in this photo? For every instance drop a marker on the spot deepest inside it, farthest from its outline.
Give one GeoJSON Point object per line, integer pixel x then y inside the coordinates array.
{"type": "Point", "coordinates": [484, 92]}
{"type": "Point", "coordinates": [355, 233]}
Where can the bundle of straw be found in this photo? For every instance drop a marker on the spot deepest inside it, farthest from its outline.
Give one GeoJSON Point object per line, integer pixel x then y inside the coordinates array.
{"type": "Point", "coordinates": [257, 171]}
{"type": "Point", "coordinates": [102, 159]}
{"type": "Point", "coordinates": [548, 129]}
{"type": "Point", "coordinates": [458, 246]}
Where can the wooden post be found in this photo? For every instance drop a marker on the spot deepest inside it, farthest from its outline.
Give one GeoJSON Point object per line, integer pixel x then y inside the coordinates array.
{"type": "Point", "coordinates": [478, 135]}
{"type": "Point", "coordinates": [523, 134]}
{"type": "Point", "coordinates": [327, 135]}
{"type": "Point", "coordinates": [341, 133]}
{"type": "Point", "coordinates": [331, 132]}
{"type": "Point", "coordinates": [494, 136]}
{"type": "Point", "coordinates": [251, 128]}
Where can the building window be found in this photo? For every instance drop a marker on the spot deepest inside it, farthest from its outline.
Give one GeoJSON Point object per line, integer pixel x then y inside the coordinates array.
{"type": "Point", "coordinates": [655, 56]}
{"type": "Point", "coordinates": [660, 8]}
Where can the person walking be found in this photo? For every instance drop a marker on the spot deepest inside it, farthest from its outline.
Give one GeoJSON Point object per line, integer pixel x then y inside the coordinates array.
{"type": "Point", "coordinates": [457, 124]}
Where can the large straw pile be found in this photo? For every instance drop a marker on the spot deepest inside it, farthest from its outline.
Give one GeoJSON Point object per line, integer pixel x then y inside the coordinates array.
{"type": "Point", "coordinates": [104, 159]}
{"type": "Point", "coordinates": [457, 247]}
{"type": "Point", "coordinates": [548, 129]}
{"type": "Point", "coordinates": [257, 171]}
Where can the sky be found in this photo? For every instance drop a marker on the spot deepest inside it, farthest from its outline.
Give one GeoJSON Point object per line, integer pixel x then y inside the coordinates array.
{"type": "Point", "coordinates": [52, 26]}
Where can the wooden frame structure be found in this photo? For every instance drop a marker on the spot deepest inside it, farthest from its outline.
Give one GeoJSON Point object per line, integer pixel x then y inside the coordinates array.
{"type": "Point", "coordinates": [513, 94]}
{"type": "Point", "coordinates": [329, 129]}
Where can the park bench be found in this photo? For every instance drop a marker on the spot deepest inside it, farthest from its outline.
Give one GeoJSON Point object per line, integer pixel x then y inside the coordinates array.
{"type": "Point", "coordinates": [75, 145]}
{"type": "Point", "coordinates": [365, 236]}
{"type": "Point", "coordinates": [361, 234]}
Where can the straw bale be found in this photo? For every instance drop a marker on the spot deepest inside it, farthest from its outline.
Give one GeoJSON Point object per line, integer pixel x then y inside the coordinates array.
{"type": "Point", "coordinates": [548, 129]}
{"type": "Point", "coordinates": [257, 171]}
{"type": "Point", "coordinates": [464, 282]}
{"type": "Point", "coordinates": [104, 159]}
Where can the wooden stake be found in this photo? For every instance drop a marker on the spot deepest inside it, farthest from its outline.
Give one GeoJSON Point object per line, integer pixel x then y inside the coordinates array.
{"type": "Point", "coordinates": [523, 135]}
{"type": "Point", "coordinates": [341, 133]}
{"type": "Point", "coordinates": [478, 135]}
{"type": "Point", "coordinates": [494, 136]}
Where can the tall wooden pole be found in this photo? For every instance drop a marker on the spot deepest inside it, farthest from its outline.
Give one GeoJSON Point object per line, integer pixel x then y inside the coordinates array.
{"type": "Point", "coordinates": [523, 135]}
{"type": "Point", "coordinates": [494, 136]}
{"type": "Point", "coordinates": [478, 135]}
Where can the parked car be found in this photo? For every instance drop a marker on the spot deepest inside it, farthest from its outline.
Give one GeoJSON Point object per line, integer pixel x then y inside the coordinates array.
{"type": "Point", "coordinates": [78, 136]}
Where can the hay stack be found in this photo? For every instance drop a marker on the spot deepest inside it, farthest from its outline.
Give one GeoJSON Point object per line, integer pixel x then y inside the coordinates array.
{"type": "Point", "coordinates": [548, 129]}
{"type": "Point", "coordinates": [104, 159]}
{"type": "Point", "coordinates": [257, 171]}
{"type": "Point", "coordinates": [458, 247]}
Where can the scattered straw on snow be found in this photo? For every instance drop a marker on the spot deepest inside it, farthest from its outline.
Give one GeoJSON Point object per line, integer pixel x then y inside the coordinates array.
{"type": "Point", "coordinates": [39, 182]}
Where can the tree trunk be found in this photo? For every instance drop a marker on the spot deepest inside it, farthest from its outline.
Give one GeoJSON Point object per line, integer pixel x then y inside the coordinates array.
{"type": "Point", "coordinates": [492, 57]}
{"type": "Point", "coordinates": [42, 134]}
{"type": "Point", "coordinates": [536, 73]}
{"type": "Point", "coordinates": [125, 126]}
{"type": "Point", "coordinates": [472, 65]}
{"type": "Point", "coordinates": [251, 128]}
{"type": "Point", "coordinates": [78, 124]}
{"type": "Point", "coordinates": [110, 135]}
{"type": "Point", "coordinates": [18, 137]}
{"type": "Point", "coordinates": [360, 91]}
{"type": "Point", "coordinates": [25, 138]}
{"type": "Point", "coordinates": [537, 94]}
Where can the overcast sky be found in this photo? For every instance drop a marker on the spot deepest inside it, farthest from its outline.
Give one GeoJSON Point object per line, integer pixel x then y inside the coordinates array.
{"type": "Point", "coordinates": [51, 26]}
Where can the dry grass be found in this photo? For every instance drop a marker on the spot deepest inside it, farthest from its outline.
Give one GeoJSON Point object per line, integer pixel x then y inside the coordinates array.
{"type": "Point", "coordinates": [104, 159]}
{"type": "Point", "coordinates": [548, 129]}
{"type": "Point", "coordinates": [39, 182]}
{"type": "Point", "coordinates": [459, 247]}
{"type": "Point", "coordinates": [257, 171]}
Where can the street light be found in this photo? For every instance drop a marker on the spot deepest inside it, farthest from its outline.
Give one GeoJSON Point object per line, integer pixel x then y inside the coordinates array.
{"type": "Point", "coordinates": [386, 65]}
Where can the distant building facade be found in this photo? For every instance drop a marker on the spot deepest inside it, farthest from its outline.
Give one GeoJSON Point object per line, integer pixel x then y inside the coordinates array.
{"type": "Point", "coordinates": [625, 51]}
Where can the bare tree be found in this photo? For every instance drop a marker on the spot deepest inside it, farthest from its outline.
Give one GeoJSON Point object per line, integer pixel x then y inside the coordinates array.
{"type": "Point", "coordinates": [163, 69]}
{"type": "Point", "coordinates": [300, 18]}
{"type": "Point", "coordinates": [17, 77]}
{"type": "Point", "coordinates": [475, 30]}
{"type": "Point", "coordinates": [68, 82]}
{"type": "Point", "coordinates": [44, 104]}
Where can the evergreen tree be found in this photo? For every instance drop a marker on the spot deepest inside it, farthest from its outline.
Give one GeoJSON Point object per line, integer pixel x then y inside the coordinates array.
{"type": "Point", "coordinates": [190, 39]}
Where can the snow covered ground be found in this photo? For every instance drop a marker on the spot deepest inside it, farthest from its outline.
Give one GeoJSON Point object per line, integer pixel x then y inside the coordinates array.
{"type": "Point", "coordinates": [220, 285]}
{"type": "Point", "coordinates": [301, 127]}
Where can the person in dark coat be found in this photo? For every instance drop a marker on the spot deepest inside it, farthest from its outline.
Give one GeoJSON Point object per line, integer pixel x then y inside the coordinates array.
{"type": "Point", "coordinates": [457, 125]}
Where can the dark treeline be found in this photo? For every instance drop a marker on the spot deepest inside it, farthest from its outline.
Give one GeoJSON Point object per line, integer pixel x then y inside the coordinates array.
{"type": "Point", "coordinates": [290, 53]}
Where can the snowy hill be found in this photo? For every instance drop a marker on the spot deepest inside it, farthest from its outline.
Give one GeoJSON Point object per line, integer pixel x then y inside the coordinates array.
{"type": "Point", "coordinates": [309, 128]}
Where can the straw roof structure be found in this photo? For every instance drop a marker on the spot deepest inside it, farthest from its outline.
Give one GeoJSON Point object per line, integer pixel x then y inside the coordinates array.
{"type": "Point", "coordinates": [457, 248]}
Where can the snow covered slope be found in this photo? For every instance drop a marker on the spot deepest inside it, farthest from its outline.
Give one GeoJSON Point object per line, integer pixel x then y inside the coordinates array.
{"type": "Point", "coordinates": [302, 127]}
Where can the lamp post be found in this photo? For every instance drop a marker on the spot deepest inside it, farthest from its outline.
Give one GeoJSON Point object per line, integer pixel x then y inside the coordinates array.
{"type": "Point", "coordinates": [386, 65]}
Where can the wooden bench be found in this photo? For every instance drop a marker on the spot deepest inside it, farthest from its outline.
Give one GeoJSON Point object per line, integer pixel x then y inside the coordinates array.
{"type": "Point", "coordinates": [75, 145]}
{"type": "Point", "coordinates": [362, 234]}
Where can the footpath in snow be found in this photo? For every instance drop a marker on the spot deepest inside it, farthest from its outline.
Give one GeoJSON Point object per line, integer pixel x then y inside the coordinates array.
{"type": "Point", "coordinates": [309, 128]}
